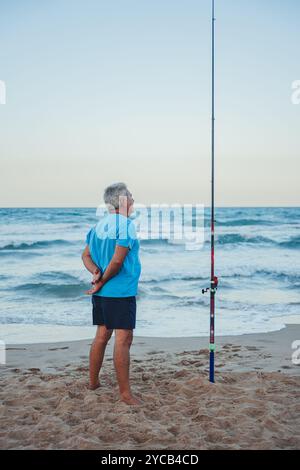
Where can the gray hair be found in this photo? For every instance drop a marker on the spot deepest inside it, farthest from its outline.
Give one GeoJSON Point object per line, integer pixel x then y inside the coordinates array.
{"type": "Point", "coordinates": [113, 192]}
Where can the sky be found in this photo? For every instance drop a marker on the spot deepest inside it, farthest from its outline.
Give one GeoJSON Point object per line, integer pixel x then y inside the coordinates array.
{"type": "Point", "coordinates": [99, 91]}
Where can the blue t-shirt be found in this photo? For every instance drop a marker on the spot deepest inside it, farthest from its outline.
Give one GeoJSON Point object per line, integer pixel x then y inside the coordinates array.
{"type": "Point", "coordinates": [115, 229]}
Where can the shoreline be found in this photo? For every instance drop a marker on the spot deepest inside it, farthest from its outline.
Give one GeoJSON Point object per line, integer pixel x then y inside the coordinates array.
{"type": "Point", "coordinates": [276, 346]}
{"type": "Point", "coordinates": [24, 334]}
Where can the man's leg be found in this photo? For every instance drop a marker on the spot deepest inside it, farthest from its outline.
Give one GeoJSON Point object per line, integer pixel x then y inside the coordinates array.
{"type": "Point", "coordinates": [123, 340]}
{"type": "Point", "coordinates": [97, 354]}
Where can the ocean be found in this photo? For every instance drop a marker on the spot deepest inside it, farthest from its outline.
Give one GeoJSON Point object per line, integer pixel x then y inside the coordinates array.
{"type": "Point", "coordinates": [42, 278]}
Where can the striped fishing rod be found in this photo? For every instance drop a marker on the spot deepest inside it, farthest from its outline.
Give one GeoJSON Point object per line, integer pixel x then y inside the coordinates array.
{"type": "Point", "coordinates": [213, 278]}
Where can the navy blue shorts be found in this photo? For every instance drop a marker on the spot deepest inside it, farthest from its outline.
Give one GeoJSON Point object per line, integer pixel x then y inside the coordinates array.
{"type": "Point", "coordinates": [114, 312]}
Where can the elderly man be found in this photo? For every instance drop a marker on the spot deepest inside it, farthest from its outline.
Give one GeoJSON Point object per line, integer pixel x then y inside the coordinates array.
{"type": "Point", "coordinates": [112, 256]}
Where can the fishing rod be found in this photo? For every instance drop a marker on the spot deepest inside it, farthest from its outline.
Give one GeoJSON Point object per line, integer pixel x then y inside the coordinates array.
{"type": "Point", "coordinates": [213, 278]}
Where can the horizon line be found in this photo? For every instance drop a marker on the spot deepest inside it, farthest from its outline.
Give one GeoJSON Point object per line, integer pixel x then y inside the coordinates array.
{"type": "Point", "coordinates": [229, 206]}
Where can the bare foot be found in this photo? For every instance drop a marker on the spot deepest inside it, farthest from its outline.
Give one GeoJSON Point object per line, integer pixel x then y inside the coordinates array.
{"type": "Point", "coordinates": [94, 386]}
{"type": "Point", "coordinates": [130, 400]}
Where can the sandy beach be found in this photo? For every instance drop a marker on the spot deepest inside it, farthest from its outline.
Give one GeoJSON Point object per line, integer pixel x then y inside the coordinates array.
{"type": "Point", "coordinates": [254, 404]}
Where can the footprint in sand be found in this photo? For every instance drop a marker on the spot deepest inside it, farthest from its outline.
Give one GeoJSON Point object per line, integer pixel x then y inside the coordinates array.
{"type": "Point", "coordinates": [188, 362]}
{"type": "Point", "coordinates": [184, 353]}
{"type": "Point", "coordinates": [203, 351]}
{"type": "Point", "coordinates": [181, 373]}
{"type": "Point", "coordinates": [155, 352]}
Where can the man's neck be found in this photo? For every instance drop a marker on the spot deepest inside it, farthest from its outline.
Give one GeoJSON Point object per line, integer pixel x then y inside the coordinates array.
{"type": "Point", "coordinates": [116, 211]}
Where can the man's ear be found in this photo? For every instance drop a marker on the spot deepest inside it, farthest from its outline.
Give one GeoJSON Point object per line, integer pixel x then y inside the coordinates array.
{"type": "Point", "coordinates": [123, 204]}
{"type": "Point", "coordinates": [123, 201]}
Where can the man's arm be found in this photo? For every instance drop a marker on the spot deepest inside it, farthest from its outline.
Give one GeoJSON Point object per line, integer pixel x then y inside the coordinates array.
{"type": "Point", "coordinates": [88, 262]}
{"type": "Point", "coordinates": [90, 265]}
{"type": "Point", "coordinates": [112, 269]}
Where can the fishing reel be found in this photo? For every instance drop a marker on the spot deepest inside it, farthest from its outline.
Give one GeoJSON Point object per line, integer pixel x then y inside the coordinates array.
{"type": "Point", "coordinates": [214, 286]}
